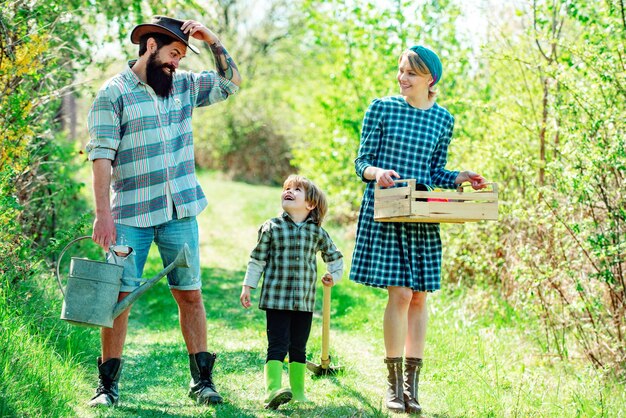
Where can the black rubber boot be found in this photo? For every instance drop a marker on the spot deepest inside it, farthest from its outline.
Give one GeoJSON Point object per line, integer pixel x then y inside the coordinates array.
{"type": "Point", "coordinates": [107, 393]}
{"type": "Point", "coordinates": [202, 389]}
{"type": "Point", "coordinates": [395, 383]}
{"type": "Point", "coordinates": [412, 367]}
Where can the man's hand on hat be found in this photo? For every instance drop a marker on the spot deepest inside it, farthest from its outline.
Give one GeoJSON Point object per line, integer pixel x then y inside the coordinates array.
{"type": "Point", "coordinates": [197, 30]}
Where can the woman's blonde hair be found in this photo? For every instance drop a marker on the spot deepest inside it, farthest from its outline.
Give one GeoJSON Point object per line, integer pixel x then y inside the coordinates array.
{"type": "Point", "coordinates": [419, 66]}
{"type": "Point", "coordinates": [313, 195]}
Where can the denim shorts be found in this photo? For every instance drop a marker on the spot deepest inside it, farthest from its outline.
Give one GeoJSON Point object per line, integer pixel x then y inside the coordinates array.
{"type": "Point", "coordinates": [169, 238]}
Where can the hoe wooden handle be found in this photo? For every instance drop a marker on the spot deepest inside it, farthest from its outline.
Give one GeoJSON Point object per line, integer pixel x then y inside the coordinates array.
{"type": "Point", "coordinates": [325, 327]}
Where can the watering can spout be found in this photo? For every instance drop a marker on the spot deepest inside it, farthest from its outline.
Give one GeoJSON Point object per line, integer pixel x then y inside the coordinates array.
{"type": "Point", "coordinates": [183, 259]}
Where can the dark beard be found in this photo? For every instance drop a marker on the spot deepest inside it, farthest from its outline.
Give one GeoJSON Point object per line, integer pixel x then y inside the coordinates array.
{"type": "Point", "coordinates": [158, 78]}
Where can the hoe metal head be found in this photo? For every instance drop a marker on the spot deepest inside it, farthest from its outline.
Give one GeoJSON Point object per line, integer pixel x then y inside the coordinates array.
{"type": "Point", "coordinates": [324, 368]}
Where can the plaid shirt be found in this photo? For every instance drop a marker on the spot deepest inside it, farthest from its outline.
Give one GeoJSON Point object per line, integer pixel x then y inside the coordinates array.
{"type": "Point", "coordinates": [149, 140]}
{"type": "Point", "coordinates": [288, 252]}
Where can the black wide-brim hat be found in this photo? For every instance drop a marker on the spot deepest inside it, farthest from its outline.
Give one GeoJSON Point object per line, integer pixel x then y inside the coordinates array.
{"type": "Point", "coordinates": [164, 25]}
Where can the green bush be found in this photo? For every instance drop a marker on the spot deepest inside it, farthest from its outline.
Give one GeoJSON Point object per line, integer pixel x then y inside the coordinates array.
{"type": "Point", "coordinates": [555, 122]}
{"type": "Point", "coordinates": [251, 146]}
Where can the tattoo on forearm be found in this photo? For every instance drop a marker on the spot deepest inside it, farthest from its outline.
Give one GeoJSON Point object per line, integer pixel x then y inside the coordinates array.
{"type": "Point", "coordinates": [223, 62]}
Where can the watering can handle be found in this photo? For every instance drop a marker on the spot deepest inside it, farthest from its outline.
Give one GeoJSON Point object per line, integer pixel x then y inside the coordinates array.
{"type": "Point", "coordinates": [61, 257]}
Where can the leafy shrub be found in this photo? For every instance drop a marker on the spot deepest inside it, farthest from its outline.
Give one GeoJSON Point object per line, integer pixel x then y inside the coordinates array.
{"type": "Point", "coordinates": [245, 146]}
{"type": "Point", "coordinates": [558, 151]}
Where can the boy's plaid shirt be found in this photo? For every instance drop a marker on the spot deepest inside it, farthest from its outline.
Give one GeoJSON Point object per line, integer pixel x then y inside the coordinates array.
{"type": "Point", "coordinates": [289, 253]}
{"type": "Point", "coordinates": [149, 140]}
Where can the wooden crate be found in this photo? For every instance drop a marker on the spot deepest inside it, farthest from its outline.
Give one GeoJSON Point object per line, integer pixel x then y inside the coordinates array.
{"type": "Point", "coordinates": [405, 204]}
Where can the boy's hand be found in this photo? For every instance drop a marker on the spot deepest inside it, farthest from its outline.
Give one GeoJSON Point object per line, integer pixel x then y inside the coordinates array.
{"type": "Point", "coordinates": [245, 297]}
{"type": "Point", "coordinates": [327, 280]}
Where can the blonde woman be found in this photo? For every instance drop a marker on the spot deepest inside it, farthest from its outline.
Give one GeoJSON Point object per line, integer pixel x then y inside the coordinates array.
{"type": "Point", "coordinates": [404, 136]}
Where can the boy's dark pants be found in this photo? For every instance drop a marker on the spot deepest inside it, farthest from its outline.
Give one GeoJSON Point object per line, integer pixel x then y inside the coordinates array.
{"type": "Point", "coordinates": [287, 332]}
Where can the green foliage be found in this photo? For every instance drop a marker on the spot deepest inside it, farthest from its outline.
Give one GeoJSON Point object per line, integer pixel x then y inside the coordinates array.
{"type": "Point", "coordinates": [244, 141]}
{"type": "Point", "coordinates": [37, 353]}
{"type": "Point", "coordinates": [586, 199]}
{"type": "Point", "coordinates": [250, 137]}
{"type": "Point", "coordinates": [32, 184]}
{"type": "Point", "coordinates": [353, 63]}
{"type": "Point", "coordinates": [554, 117]}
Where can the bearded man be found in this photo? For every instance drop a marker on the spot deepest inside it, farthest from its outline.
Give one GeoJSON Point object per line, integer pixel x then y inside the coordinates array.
{"type": "Point", "coordinates": [141, 145]}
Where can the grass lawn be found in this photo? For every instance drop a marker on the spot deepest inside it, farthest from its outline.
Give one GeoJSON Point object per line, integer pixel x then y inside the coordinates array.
{"type": "Point", "coordinates": [478, 364]}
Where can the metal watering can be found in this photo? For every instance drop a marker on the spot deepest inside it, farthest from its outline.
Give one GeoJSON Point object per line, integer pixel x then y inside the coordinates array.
{"type": "Point", "coordinates": [93, 287]}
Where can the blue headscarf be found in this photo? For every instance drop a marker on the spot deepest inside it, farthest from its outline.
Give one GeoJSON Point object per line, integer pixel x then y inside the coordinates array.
{"type": "Point", "coordinates": [431, 60]}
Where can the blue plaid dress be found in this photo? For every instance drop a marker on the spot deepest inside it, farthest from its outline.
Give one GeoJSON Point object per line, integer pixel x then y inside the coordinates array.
{"type": "Point", "coordinates": [414, 143]}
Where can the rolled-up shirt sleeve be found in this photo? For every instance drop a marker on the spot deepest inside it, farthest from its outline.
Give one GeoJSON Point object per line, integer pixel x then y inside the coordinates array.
{"type": "Point", "coordinates": [103, 122]}
{"type": "Point", "coordinates": [208, 87]}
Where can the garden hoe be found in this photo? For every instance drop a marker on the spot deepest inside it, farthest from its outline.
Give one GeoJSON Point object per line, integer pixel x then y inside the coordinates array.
{"type": "Point", "coordinates": [324, 369]}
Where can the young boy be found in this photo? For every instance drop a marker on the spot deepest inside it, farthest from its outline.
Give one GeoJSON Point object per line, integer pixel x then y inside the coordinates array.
{"type": "Point", "coordinates": [285, 255]}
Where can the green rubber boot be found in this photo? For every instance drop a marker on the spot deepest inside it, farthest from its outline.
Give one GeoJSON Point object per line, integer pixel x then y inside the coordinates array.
{"type": "Point", "coordinates": [297, 372]}
{"type": "Point", "coordinates": [275, 395]}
